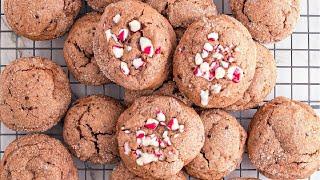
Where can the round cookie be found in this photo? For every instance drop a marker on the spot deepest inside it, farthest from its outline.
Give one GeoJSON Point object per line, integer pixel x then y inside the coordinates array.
{"type": "Point", "coordinates": [100, 5]}
{"type": "Point", "coordinates": [78, 51]}
{"type": "Point", "coordinates": [223, 147]}
{"type": "Point", "coordinates": [121, 172]}
{"type": "Point", "coordinates": [267, 21]}
{"type": "Point", "coordinates": [262, 84]}
{"type": "Point", "coordinates": [89, 129]}
{"type": "Point", "coordinates": [41, 20]}
{"type": "Point", "coordinates": [133, 45]}
{"type": "Point", "coordinates": [215, 62]}
{"type": "Point", "coordinates": [158, 135]}
{"type": "Point", "coordinates": [37, 156]}
{"type": "Point", "coordinates": [284, 140]}
{"type": "Point", "coordinates": [34, 94]}
{"type": "Point", "coordinates": [167, 89]}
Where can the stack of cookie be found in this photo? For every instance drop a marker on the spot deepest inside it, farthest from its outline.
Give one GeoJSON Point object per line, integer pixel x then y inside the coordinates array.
{"type": "Point", "coordinates": [183, 67]}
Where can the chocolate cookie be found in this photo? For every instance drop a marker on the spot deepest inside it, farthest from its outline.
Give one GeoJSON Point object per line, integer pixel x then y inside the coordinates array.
{"type": "Point", "coordinates": [100, 5]}
{"type": "Point", "coordinates": [41, 20]}
{"type": "Point", "coordinates": [37, 156]}
{"type": "Point", "coordinates": [121, 172]}
{"type": "Point", "coordinates": [34, 94]}
{"type": "Point", "coordinates": [223, 147]}
{"type": "Point", "coordinates": [263, 81]}
{"type": "Point", "coordinates": [167, 89]}
{"type": "Point", "coordinates": [158, 135]}
{"type": "Point", "coordinates": [78, 51]}
{"type": "Point", "coordinates": [215, 62]}
{"type": "Point", "coordinates": [133, 45]}
{"type": "Point", "coordinates": [89, 129]}
{"type": "Point", "coordinates": [267, 21]}
{"type": "Point", "coordinates": [284, 140]}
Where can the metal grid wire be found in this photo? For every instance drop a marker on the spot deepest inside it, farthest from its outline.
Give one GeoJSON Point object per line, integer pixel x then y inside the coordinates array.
{"type": "Point", "coordinates": [298, 62]}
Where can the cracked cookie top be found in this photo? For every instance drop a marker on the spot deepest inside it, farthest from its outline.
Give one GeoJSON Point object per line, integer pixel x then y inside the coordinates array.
{"type": "Point", "coordinates": [158, 135]}
{"type": "Point", "coordinates": [34, 94]}
{"type": "Point", "coordinates": [284, 140]}
{"type": "Point", "coordinates": [223, 148]}
{"type": "Point", "coordinates": [90, 127]}
{"type": "Point", "coordinates": [37, 157]}
{"type": "Point", "coordinates": [78, 51]}
{"type": "Point", "coordinates": [268, 21]}
{"type": "Point", "coordinates": [41, 20]}
{"type": "Point", "coordinates": [121, 172]}
{"type": "Point", "coordinates": [100, 5]}
{"type": "Point", "coordinates": [263, 81]}
{"type": "Point", "coordinates": [133, 45]}
{"type": "Point", "coordinates": [215, 61]}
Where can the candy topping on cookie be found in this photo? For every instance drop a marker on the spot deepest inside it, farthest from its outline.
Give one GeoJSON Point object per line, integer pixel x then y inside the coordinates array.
{"type": "Point", "coordinates": [216, 88]}
{"type": "Point", "coordinates": [134, 26]}
{"type": "Point", "coordinates": [116, 18]}
{"type": "Point", "coordinates": [117, 51]}
{"type": "Point", "coordinates": [123, 34]}
{"type": "Point", "coordinates": [124, 68]}
{"type": "Point", "coordinates": [151, 142]}
{"type": "Point", "coordinates": [108, 34]}
{"type": "Point", "coordinates": [146, 46]}
{"type": "Point", "coordinates": [138, 63]}
{"type": "Point", "coordinates": [204, 97]}
{"type": "Point", "coordinates": [235, 74]}
{"type": "Point", "coordinates": [213, 36]}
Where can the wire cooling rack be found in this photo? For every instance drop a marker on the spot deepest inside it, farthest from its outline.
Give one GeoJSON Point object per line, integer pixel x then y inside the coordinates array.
{"type": "Point", "coordinates": [298, 61]}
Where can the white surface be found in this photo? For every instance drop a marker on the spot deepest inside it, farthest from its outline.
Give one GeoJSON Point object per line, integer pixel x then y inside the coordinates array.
{"type": "Point", "coordinates": [298, 77]}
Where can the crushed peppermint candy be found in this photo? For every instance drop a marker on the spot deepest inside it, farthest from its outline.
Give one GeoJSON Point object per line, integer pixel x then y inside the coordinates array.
{"type": "Point", "coordinates": [208, 47]}
{"type": "Point", "coordinates": [204, 54]}
{"type": "Point", "coordinates": [198, 59]}
{"type": "Point", "coordinates": [220, 73]}
{"type": "Point", "coordinates": [235, 74]}
{"type": "Point", "coordinates": [213, 36]}
{"type": "Point", "coordinates": [134, 26]}
{"type": "Point", "coordinates": [173, 124]}
{"type": "Point", "coordinates": [138, 63]}
{"type": "Point", "coordinates": [146, 46]}
{"type": "Point", "coordinates": [124, 68]}
{"type": "Point", "coordinates": [160, 116]}
{"type": "Point", "coordinates": [116, 18]}
{"type": "Point", "coordinates": [204, 97]}
{"type": "Point", "coordinates": [146, 158]}
{"type": "Point", "coordinates": [117, 51]}
{"type": "Point", "coordinates": [151, 124]}
{"type": "Point", "coordinates": [123, 35]}
{"type": "Point", "coordinates": [216, 88]}
{"type": "Point", "coordinates": [108, 34]}
{"type": "Point", "coordinates": [158, 50]}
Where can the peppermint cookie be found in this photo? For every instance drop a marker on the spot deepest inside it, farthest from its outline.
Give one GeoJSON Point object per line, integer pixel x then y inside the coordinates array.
{"type": "Point", "coordinates": [167, 89]}
{"type": "Point", "coordinates": [34, 94]}
{"type": "Point", "coordinates": [41, 20]}
{"type": "Point", "coordinates": [215, 61]}
{"type": "Point", "coordinates": [37, 157]}
{"type": "Point", "coordinates": [89, 129]}
{"type": "Point", "coordinates": [267, 21]}
{"type": "Point", "coordinates": [158, 135]}
{"type": "Point", "coordinates": [133, 45]}
{"type": "Point", "coordinates": [121, 172]}
{"type": "Point", "coordinates": [100, 5]}
{"type": "Point", "coordinates": [284, 140]}
{"type": "Point", "coordinates": [263, 82]}
{"type": "Point", "coordinates": [78, 51]}
{"type": "Point", "coordinates": [223, 147]}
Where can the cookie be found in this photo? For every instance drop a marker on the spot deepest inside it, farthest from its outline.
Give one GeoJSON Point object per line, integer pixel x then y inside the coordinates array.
{"type": "Point", "coordinates": [89, 129]}
{"type": "Point", "coordinates": [78, 51]}
{"type": "Point", "coordinates": [121, 172]}
{"type": "Point", "coordinates": [284, 140]}
{"type": "Point", "coordinates": [158, 135]}
{"type": "Point", "coordinates": [244, 179]}
{"type": "Point", "coordinates": [263, 82]}
{"type": "Point", "coordinates": [37, 156]}
{"type": "Point", "coordinates": [215, 62]}
{"type": "Point", "coordinates": [100, 5]}
{"type": "Point", "coordinates": [223, 147]}
{"type": "Point", "coordinates": [268, 21]}
{"type": "Point", "coordinates": [34, 94]}
{"type": "Point", "coordinates": [41, 20]}
{"type": "Point", "coordinates": [133, 45]}
{"type": "Point", "coordinates": [167, 89]}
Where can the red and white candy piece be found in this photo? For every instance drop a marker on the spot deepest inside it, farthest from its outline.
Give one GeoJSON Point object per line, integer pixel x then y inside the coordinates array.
{"type": "Point", "coordinates": [198, 59]}
{"type": "Point", "coordinates": [220, 73]}
{"type": "Point", "coordinates": [197, 72]}
{"type": "Point", "coordinates": [146, 158]}
{"type": "Point", "coordinates": [208, 47]}
{"type": "Point", "coordinates": [138, 63]}
{"type": "Point", "coordinates": [213, 36]}
{"type": "Point", "coordinates": [235, 74]}
{"type": "Point", "coordinates": [117, 51]}
{"type": "Point", "coordinates": [224, 64]}
{"type": "Point", "coordinates": [160, 116]}
{"type": "Point", "coordinates": [134, 26]}
{"type": "Point", "coordinates": [151, 124]}
{"type": "Point", "coordinates": [166, 138]}
{"type": "Point", "coordinates": [217, 55]}
{"type": "Point", "coordinates": [116, 18]}
{"type": "Point", "coordinates": [124, 68]}
{"type": "Point", "coordinates": [123, 35]}
{"type": "Point", "coordinates": [146, 46]}
{"type": "Point", "coordinates": [173, 124]}
{"type": "Point", "coordinates": [204, 54]}
{"type": "Point", "coordinates": [204, 97]}
{"type": "Point", "coordinates": [181, 128]}
{"type": "Point", "coordinates": [216, 88]}
{"type": "Point", "coordinates": [158, 50]}
{"type": "Point", "coordinates": [204, 67]}
{"type": "Point", "coordinates": [151, 140]}
{"type": "Point", "coordinates": [140, 134]}
{"type": "Point", "coordinates": [108, 34]}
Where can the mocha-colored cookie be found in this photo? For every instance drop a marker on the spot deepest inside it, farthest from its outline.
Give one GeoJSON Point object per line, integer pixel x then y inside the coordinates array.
{"type": "Point", "coordinates": [223, 147]}
{"type": "Point", "coordinates": [262, 84]}
{"type": "Point", "coordinates": [37, 157]}
{"type": "Point", "coordinates": [133, 45]}
{"type": "Point", "coordinates": [78, 51]}
{"type": "Point", "coordinates": [41, 20]}
{"type": "Point", "coordinates": [100, 5]}
{"type": "Point", "coordinates": [34, 94]}
{"type": "Point", "coordinates": [90, 127]}
{"type": "Point", "coordinates": [267, 21]}
{"type": "Point", "coordinates": [121, 172]}
{"type": "Point", "coordinates": [158, 135]}
{"type": "Point", "coordinates": [167, 89]}
{"type": "Point", "coordinates": [215, 62]}
{"type": "Point", "coordinates": [284, 140]}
